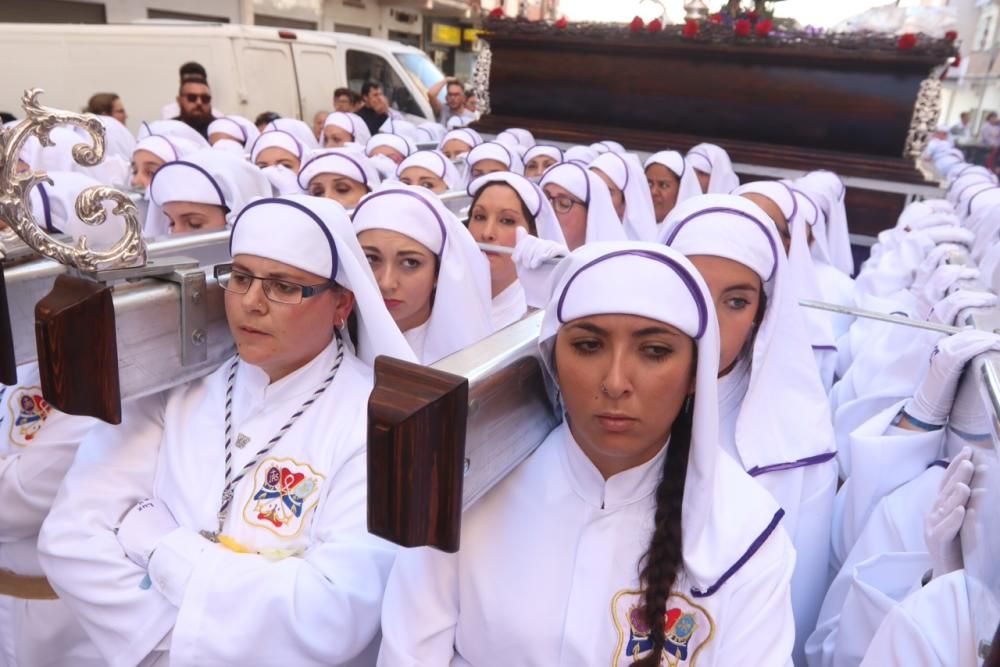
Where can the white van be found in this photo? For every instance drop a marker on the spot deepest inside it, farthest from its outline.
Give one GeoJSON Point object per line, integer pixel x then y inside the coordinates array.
{"type": "Point", "coordinates": [250, 69]}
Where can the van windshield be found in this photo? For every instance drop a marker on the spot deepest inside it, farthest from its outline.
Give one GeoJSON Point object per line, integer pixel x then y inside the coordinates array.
{"type": "Point", "coordinates": [421, 69]}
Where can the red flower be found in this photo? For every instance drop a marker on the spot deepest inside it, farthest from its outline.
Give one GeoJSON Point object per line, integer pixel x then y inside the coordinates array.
{"type": "Point", "coordinates": [497, 13]}
{"type": "Point", "coordinates": [716, 17]}
{"type": "Point", "coordinates": [690, 28]}
{"type": "Point", "coordinates": [655, 26]}
{"type": "Point", "coordinates": [753, 16]}
{"type": "Point", "coordinates": [562, 23]}
{"type": "Point", "coordinates": [636, 25]}
{"type": "Point", "coordinates": [907, 41]}
{"type": "Point", "coordinates": [763, 28]}
{"type": "Point", "coordinates": [951, 35]}
{"type": "Point", "coordinates": [742, 28]}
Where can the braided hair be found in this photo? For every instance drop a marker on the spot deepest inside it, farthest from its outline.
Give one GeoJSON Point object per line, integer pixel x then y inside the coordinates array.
{"type": "Point", "coordinates": [663, 560]}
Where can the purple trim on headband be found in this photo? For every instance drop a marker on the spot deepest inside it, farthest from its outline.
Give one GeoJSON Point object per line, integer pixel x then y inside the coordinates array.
{"type": "Point", "coordinates": [173, 149]}
{"type": "Point", "coordinates": [586, 179]}
{"type": "Point", "coordinates": [505, 178]}
{"type": "Point", "coordinates": [47, 209]}
{"type": "Point", "coordinates": [795, 202]}
{"type": "Point", "coordinates": [444, 164]}
{"type": "Point", "coordinates": [754, 547]}
{"type": "Point", "coordinates": [364, 177]}
{"type": "Point", "coordinates": [824, 347]}
{"type": "Point", "coordinates": [940, 463]}
{"type": "Point", "coordinates": [287, 134]}
{"type": "Point", "coordinates": [238, 127]}
{"type": "Point", "coordinates": [968, 209]}
{"type": "Point", "coordinates": [703, 156]}
{"type": "Point", "coordinates": [797, 191]}
{"type": "Point", "coordinates": [688, 280]}
{"type": "Point", "coordinates": [198, 168]}
{"type": "Point", "coordinates": [510, 156]}
{"type": "Point", "coordinates": [528, 157]}
{"type": "Point", "coordinates": [791, 465]}
{"type": "Point", "coordinates": [380, 193]}
{"type": "Point", "coordinates": [334, 261]}
{"type": "Point", "coordinates": [664, 164]}
{"type": "Point", "coordinates": [742, 214]}
{"type": "Point", "coordinates": [624, 164]}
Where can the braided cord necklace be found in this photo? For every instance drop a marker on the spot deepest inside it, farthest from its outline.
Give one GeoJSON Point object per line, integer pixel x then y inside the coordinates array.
{"type": "Point", "coordinates": [229, 489]}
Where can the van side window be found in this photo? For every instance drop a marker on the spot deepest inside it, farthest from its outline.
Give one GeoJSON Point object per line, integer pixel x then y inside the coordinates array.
{"type": "Point", "coordinates": [363, 66]}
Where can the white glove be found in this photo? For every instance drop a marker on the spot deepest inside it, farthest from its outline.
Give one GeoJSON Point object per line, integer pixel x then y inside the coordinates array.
{"type": "Point", "coordinates": [939, 283]}
{"type": "Point", "coordinates": [942, 525]}
{"type": "Point", "coordinates": [935, 258]}
{"type": "Point", "coordinates": [950, 308]}
{"type": "Point", "coordinates": [384, 165]}
{"type": "Point", "coordinates": [143, 527]}
{"type": "Point", "coordinates": [948, 234]}
{"type": "Point", "coordinates": [934, 397]}
{"type": "Point", "coordinates": [533, 270]}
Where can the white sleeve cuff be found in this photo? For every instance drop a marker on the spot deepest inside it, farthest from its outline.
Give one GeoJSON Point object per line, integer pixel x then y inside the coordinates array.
{"type": "Point", "coordinates": [173, 561]}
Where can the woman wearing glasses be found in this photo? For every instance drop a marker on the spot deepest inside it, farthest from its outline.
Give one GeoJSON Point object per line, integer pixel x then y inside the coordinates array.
{"type": "Point", "coordinates": [583, 205]}
{"type": "Point", "coordinates": [504, 207]}
{"type": "Point", "coordinates": [224, 521]}
{"type": "Point", "coordinates": [628, 536]}
{"type": "Point", "coordinates": [432, 275]}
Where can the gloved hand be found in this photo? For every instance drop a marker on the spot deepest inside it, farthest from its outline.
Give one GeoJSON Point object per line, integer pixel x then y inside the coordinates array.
{"type": "Point", "coordinates": [932, 401]}
{"type": "Point", "coordinates": [530, 255]}
{"type": "Point", "coordinates": [915, 246]}
{"type": "Point", "coordinates": [384, 165]}
{"type": "Point", "coordinates": [939, 283]}
{"type": "Point", "coordinates": [941, 526]}
{"type": "Point", "coordinates": [950, 308]}
{"type": "Point", "coordinates": [935, 258]}
{"type": "Point", "coordinates": [143, 527]}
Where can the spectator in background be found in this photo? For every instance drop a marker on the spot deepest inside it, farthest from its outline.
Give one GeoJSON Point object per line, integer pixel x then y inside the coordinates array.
{"type": "Point", "coordinates": [346, 100]}
{"type": "Point", "coordinates": [107, 104]}
{"type": "Point", "coordinates": [6, 117]}
{"type": "Point", "coordinates": [990, 132]}
{"type": "Point", "coordinates": [376, 108]}
{"type": "Point", "coordinates": [195, 102]}
{"type": "Point", "coordinates": [961, 132]}
{"type": "Point", "coordinates": [190, 71]}
{"type": "Point", "coordinates": [472, 102]}
{"type": "Point", "coordinates": [454, 101]}
{"type": "Point", "coordinates": [264, 118]}
{"type": "Point", "coordinates": [318, 119]}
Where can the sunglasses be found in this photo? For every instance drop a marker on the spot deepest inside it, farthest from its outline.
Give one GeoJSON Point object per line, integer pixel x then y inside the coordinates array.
{"type": "Point", "coordinates": [192, 98]}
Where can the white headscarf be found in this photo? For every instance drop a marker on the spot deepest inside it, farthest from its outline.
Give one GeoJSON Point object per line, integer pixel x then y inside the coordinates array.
{"type": "Point", "coordinates": [827, 190]}
{"type": "Point", "coordinates": [397, 142]}
{"type": "Point", "coordinates": [204, 177]}
{"type": "Point", "coordinates": [299, 129]}
{"type": "Point", "coordinates": [283, 181]}
{"type": "Point", "coordinates": [436, 163]}
{"type": "Point", "coordinates": [239, 128]}
{"type": "Point", "coordinates": [467, 136]}
{"type": "Point", "coordinates": [811, 214]}
{"type": "Point", "coordinates": [430, 132]}
{"type": "Point", "coordinates": [460, 315]}
{"type": "Point", "coordinates": [543, 149]}
{"type": "Point", "coordinates": [713, 160]}
{"type": "Point", "coordinates": [626, 172]}
{"type": "Point", "coordinates": [314, 234]}
{"type": "Point", "coordinates": [54, 209]}
{"type": "Point", "coordinates": [546, 223]}
{"type": "Point", "coordinates": [350, 123]}
{"type": "Point", "coordinates": [113, 170]}
{"type": "Point", "coordinates": [119, 145]}
{"type": "Point", "coordinates": [602, 147]}
{"type": "Point", "coordinates": [674, 161]}
{"type": "Point", "coordinates": [494, 150]}
{"type": "Point", "coordinates": [582, 154]}
{"type": "Point", "coordinates": [349, 162]}
{"type": "Point", "coordinates": [725, 515]}
{"type": "Point", "coordinates": [800, 261]}
{"type": "Point", "coordinates": [602, 220]}
{"type": "Point", "coordinates": [172, 128]}
{"type": "Point", "coordinates": [400, 128]}
{"type": "Point", "coordinates": [785, 398]}
{"type": "Point", "coordinates": [167, 149]}
{"type": "Point", "coordinates": [520, 136]}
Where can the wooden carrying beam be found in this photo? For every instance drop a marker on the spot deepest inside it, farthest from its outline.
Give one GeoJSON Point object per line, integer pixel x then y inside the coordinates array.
{"type": "Point", "coordinates": [416, 454]}
{"type": "Point", "coordinates": [8, 366]}
{"type": "Point", "coordinates": [78, 349]}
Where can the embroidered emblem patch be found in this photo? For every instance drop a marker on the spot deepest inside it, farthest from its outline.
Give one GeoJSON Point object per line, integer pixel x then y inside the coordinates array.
{"type": "Point", "coordinates": [285, 491]}
{"type": "Point", "coordinates": [687, 629]}
{"type": "Point", "coordinates": [28, 412]}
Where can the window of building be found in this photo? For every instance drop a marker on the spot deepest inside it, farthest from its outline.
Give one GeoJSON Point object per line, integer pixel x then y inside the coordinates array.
{"type": "Point", "coordinates": [51, 11]}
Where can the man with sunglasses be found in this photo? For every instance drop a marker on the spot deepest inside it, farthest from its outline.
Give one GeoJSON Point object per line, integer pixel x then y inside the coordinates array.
{"type": "Point", "coordinates": [195, 103]}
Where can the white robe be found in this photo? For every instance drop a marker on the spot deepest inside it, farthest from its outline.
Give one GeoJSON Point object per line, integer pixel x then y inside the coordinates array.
{"type": "Point", "coordinates": [37, 447]}
{"type": "Point", "coordinates": [930, 628]}
{"type": "Point", "coordinates": [417, 337]}
{"type": "Point", "coordinates": [509, 306]}
{"type": "Point", "coordinates": [310, 591]}
{"type": "Point", "coordinates": [806, 494]}
{"type": "Point", "coordinates": [548, 553]}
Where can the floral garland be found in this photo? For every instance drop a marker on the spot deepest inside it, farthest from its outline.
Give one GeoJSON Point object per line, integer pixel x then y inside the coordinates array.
{"type": "Point", "coordinates": [745, 29]}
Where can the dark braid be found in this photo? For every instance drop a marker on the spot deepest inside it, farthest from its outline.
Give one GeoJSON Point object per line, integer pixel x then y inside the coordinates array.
{"type": "Point", "coordinates": [663, 560]}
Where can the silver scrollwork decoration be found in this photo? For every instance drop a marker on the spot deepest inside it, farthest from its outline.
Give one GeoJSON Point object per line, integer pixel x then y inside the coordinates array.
{"type": "Point", "coordinates": [16, 185]}
{"type": "Point", "coordinates": [695, 10]}
{"type": "Point", "coordinates": [481, 78]}
{"type": "Point", "coordinates": [926, 112]}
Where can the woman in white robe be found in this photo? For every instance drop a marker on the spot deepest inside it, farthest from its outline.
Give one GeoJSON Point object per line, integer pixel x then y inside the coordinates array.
{"type": "Point", "coordinates": [344, 175]}
{"type": "Point", "coordinates": [279, 155]}
{"type": "Point", "coordinates": [582, 204]}
{"type": "Point", "coordinates": [432, 275]}
{"type": "Point", "coordinates": [237, 132]}
{"type": "Point", "coordinates": [203, 192]}
{"type": "Point", "coordinates": [767, 361]}
{"type": "Point", "coordinates": [629, 505]}
{"type": "Point", "coordinates": [341, 128]}
{"type": "Point", "coordinates": [625, 179]}
{"type": "Point", "coordinates": [458, 142]}
{"type": "Point", "coordinates": [429, 169]}
{"type": "Point", "coordinates": [540, 158]}
{"type": "Point", "coordinates": [37, 447]}
{"type": "Point", "coordinates": [299, 129]}
{"type": "Point", "coordinates": [490, 157]}
{"type": "Point", "coordinates": [713, 168]}
{"type": "Point", "coordinates": [670, 182]}
{"type": "Point", "coordinates": [502, 203]}
{"type": "Point", "coordinates": [387, 151]}
{"type": "Point", "coordinates": [224, 521]}
{"type": "Point", "coordinates": [151, 153]}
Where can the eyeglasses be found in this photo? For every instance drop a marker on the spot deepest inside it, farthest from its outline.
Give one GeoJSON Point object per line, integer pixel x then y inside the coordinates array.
{"type": "Point", "coordinates": [193, 97]}
{"type": "Point", "coordinates": [278, 291]}
{"type": "Point", "coordinates": [564, 204]}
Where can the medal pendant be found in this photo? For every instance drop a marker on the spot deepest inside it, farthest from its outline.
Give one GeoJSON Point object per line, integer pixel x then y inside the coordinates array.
{"type": "Point", "coordinates": [242, 441]}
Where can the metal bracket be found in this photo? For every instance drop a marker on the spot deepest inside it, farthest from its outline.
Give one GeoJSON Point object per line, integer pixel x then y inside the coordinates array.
{"type": "Point", "coordinates": [186, 273]}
